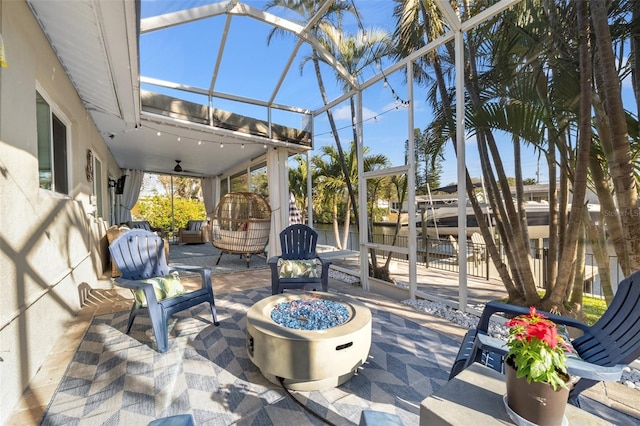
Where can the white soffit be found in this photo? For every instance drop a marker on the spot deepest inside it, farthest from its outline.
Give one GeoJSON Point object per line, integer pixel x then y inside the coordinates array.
{"type": "Point", "coordinates": [98, 62]}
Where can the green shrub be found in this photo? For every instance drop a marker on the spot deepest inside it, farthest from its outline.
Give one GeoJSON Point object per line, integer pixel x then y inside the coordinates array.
{"type": "Point", "coordinates": [157, 210]}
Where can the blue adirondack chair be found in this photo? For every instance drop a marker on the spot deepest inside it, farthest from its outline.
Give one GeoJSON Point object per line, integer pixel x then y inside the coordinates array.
{"type": "Point", "coordinates": [140, 255]}
{"type": "Point", "coordinates": [603, 349]}
{"type": "Point", "coordinates": [299, 259]}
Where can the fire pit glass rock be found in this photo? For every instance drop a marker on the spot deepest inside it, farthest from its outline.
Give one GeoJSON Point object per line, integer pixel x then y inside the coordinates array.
{"type": "Point", "coordinates": [310, 313]}
{"type": "Point", "coordinates": [308, 359]}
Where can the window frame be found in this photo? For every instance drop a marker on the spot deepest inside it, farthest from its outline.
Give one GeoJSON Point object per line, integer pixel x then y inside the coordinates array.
{"type": "Point", "coordinates": [55, 111]}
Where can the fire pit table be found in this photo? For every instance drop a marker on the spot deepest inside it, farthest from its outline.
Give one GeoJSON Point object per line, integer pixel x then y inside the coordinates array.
{"type": "Point", "coordinates": [331, 339]}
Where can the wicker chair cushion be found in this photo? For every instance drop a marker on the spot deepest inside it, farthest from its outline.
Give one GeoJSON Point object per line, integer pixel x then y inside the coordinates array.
{"type": "Point", "coordinates": [306, 268]}
{"type": "Point", "coordinates": [140, 224]}
{"type": "Point", "coordinates": [196, 225]}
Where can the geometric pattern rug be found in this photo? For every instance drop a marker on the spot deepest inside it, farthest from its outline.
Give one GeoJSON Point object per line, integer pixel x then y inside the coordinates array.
{"type": "Point", "coordinates": [119, 379]}
{"type": "Point", "coordinates": [207, 255]}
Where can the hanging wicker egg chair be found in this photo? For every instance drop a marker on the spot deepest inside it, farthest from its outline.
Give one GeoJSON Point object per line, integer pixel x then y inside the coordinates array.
{"type": "Point", "coordinates": [241, 224]}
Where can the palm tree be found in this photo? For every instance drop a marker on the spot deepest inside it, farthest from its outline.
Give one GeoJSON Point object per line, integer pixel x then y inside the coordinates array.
{"type": "Point", "coordinates": [504, 94]}
{"type": "Point", "coordinates": [309, 10]}
{"type": "Point", "coordinates": [331, 187]}
{"type": "Point", "coordinates": [354, 53]}
{"type": "Point", "coordinates": [298, 184]}
{"type": "Point", "coordinates": [418, 22]}
{"type": "Point", "coordinates": [618, 147]}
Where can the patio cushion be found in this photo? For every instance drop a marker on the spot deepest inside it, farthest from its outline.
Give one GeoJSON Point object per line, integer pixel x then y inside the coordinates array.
{"type": "Point", "coordinates": [196, 225]}
{"type": "Point", "coordinates": [165, 287]}
{"type": "Point", "coordinates": [140, 224]}
{"type": "Point", "coordinates": [306, 268]}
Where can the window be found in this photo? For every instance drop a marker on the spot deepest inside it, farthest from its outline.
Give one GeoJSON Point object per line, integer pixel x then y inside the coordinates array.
{"type": "Point", "coordinates": [259, 181]}
{"type": "Point", "coordinates": [224, 187]}
{"type": "Point", "coordinates": [239, 182]}
{"type": "Point", "coordinates": [52, 148]}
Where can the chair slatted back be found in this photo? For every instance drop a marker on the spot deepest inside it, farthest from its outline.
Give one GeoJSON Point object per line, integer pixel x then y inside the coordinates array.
{"type": "Point", "coordinates": [139, 254]}
{"type": "Point", "coordinates": [298, 242]}
{"type": "Point", "coordinates": [615, 337]}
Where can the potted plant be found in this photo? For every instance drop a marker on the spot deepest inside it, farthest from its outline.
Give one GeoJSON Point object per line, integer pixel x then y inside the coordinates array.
{"type": "Point", "coordinates": [537, 378]}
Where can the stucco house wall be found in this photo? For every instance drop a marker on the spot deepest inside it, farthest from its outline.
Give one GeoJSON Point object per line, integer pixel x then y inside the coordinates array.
{"type": "Point", "coordinates": [51, 246]}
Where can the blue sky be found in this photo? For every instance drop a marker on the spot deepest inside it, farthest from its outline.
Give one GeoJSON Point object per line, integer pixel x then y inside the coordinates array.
{"type": "Point", "coordinates": [187, 54]}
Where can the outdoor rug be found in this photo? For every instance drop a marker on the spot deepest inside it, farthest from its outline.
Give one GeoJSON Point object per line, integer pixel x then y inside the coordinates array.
{"type": "Point", "coordinates": [116, 379]}
{"type": "Point", "coordinates": [206, 255]}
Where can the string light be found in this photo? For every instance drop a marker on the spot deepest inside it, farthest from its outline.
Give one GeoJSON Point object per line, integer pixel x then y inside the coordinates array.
{"type": "Point", "coordinates": [402, 103]}
{"type": "Point", "coordinates": [378, 61]}
{"type": "Point", "coordinates": [198, 141]}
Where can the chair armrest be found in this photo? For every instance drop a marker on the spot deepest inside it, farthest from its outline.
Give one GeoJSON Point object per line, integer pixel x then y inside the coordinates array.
{"type": "Point", "coordinates": [205, 233]}
{"type": "Point", "coordinates": [497, 307]}
{"type": "Point", "coordinates": [575, 365]}
{"type": "Point", "coordinates": [273, 264]}
{"type": "Point", "coordinates": [205, 273]}
{"type": "Point", "coordinates": [147, 288]}
{"type": "Point", "coordinates": [586, 370]}
{"type": "Point", "coordinates": [325, 265]}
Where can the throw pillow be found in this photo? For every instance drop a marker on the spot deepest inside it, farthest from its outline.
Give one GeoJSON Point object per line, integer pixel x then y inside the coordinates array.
{"type": "Point", "coordinates": [297, 268]}
{"type": "Point", "coordinates": [195, 225]}
{"type": "Point", "coordinates": [164, 287]}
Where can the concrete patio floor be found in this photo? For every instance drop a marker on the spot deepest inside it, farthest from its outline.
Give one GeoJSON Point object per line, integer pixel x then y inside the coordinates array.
{"type": "Point", "coordinates": [106, 298]}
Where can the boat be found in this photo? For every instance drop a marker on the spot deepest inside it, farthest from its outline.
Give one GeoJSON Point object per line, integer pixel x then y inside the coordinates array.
{"type": "Point", "coordinates": [441, 220]}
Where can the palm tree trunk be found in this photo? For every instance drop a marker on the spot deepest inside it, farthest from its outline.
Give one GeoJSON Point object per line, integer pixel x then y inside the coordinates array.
{"type": "Point", "coordinates": [334, 215]}
{"type": "Point", "coordinates": [621, 166]}
{"type": "Point", "coordinates": [597, 241]}
{"type": "Point", "coordinates": [347, 225]}
{"type": "Point", "coordinates": [568, 257]}
{"type": "Point", "coordinates": [334, 130]}
{"type": "Point", "coordinates": [552, 253]}
{"type": "Point", "coordinates": [520, 263]}
{"type": "Point", "coordinates": [601, 182]}
{"type": "Point", "coordinates": [522, 212]}
{"type": "Point", "coordinates": [343, 162]}
{"type": "Point", "coordinates": [575, 292]}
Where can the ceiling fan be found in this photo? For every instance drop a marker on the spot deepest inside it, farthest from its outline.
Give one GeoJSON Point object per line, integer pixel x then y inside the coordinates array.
{"type": "Point", "coordinates": [178, 169]}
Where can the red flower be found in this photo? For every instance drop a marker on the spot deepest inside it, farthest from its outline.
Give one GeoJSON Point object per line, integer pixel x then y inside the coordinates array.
{"type": "Point", "coordinates": [536, 349]}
